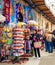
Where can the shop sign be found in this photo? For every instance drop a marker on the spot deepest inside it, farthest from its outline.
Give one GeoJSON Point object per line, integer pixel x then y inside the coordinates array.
{"type": "Point", "coordinates": [12, 11]}
{"type": "Point", "coordinates": [7, 10]}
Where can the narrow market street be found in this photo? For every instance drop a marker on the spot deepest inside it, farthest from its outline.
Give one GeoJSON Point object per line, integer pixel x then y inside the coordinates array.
{"type": "Point", "coordinates": [27, 32]}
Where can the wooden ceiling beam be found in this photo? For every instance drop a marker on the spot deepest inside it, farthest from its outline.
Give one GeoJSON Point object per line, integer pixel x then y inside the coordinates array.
{"type": "Point", "coordinates": [39, 4]}
{"type": "Point", "coordinates": [37, 0]}
{"type": "Point", "coordinates": [47, 13]}
{"type": "Point", "coordinates": [46, 10]}
{"type": "Point", "coordinates": [42, 9]}
{"type": "Point", "coordinates": [51, 16]}
{"type": "Point", "coordinates": [42, 6]}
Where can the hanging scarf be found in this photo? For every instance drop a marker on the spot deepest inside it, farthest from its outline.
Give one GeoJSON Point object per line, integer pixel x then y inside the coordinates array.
{"type": "Point", "coordinates": [7, 10]}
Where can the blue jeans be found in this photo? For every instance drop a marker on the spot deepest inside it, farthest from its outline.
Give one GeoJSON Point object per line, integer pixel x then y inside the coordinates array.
{"type": "Point", "coordinates": [50, 47]}
{"type": "Point", "coordinates": [46, 46]}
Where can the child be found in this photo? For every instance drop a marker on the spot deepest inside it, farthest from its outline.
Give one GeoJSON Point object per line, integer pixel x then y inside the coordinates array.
{"type": "Point", "coordinates": [27, 45]}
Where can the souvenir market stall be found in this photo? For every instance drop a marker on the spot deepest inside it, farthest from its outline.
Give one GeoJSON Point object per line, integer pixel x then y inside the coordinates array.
{"type": "Point", "coordinates": [19, 40]}
{"type": "Point", "coordinates": [17, 24]}
{"type": "Point", "coordinates": [2, 19]}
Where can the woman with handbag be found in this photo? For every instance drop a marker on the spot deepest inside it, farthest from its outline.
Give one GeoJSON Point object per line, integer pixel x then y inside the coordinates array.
{"type": "Point", "coordinates": [36, 46]}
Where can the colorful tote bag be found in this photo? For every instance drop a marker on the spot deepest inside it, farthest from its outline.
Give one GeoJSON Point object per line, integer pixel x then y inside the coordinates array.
{"type": "Point", "coordinates": [37, 44]}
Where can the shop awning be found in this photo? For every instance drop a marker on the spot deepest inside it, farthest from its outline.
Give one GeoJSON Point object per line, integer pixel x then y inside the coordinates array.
{"type": "Point", "coordinates": [40, 6]}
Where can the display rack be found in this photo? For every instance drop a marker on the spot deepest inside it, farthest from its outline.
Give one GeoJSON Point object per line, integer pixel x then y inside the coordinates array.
{"type": "Point", "coordinates": [18, 40]}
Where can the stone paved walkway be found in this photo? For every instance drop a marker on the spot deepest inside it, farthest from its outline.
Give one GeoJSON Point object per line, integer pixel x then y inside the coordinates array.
{"type": "Point", "coordinates": [49, 60]}
{"type": "Point", "coordinates": [33, 61]}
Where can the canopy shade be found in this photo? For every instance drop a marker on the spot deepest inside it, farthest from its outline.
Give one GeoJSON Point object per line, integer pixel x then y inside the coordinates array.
{"type": "Point", "coordinates": [41, 6]}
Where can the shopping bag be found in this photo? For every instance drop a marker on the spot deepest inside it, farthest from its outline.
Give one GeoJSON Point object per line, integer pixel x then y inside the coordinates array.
{"type": "Point", "coordinates": [37, 44]}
